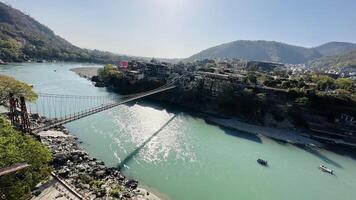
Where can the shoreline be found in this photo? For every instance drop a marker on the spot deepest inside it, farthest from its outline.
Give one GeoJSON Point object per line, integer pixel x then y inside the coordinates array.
{"type": "Point", "coordinates": [288, 136]}
{"type": "Point", "coordinates": [285, 135]}
{"type": "Point", "coordinates": [85, 174]}
{"type": "Point", "coordinates": [85, 72]}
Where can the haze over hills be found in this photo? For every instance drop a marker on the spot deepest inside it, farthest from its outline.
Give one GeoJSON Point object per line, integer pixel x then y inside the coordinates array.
{"type": "Point", "coordinates": [273, 51]}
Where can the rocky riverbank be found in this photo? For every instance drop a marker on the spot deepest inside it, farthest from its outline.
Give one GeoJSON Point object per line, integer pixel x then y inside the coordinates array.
{"type": "Point", "coordinates": [284, 132]}
{"type": "Point", "coordinates": [85, 174]}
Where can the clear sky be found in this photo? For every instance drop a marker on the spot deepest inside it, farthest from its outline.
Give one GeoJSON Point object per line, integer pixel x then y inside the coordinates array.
{"type": "Point", "coordinates": [180, 28]}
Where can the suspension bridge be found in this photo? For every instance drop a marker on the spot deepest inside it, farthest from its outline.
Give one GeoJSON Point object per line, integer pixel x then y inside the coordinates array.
{"type": "Point", "coordinates": [60, 109]}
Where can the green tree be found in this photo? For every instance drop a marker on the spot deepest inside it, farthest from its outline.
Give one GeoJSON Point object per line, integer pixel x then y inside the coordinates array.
{"type": "Point", "coordinates": [252, 78]}
{"type": "Point", "coordinates": [10, 50]}
{"type": "Point", "coordinates": [18, 148]}
{"type": "Point", "coordinates": [344, 83]}
{"type": "Point", "coordinates": [10, 85]}
{"type": "Point", "coordinates": [109, 73]}
{"type": "Point", "coordinates": [210, 65]}
{"type": "Point", "coordinates": [324, 82]}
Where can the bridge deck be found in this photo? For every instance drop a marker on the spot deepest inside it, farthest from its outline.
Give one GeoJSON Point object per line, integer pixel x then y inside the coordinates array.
{"type": "Point", "coordinates": [92, 111]}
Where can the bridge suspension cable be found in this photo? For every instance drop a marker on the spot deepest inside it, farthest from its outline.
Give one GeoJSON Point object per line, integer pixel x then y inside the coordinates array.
{"type": "Point", "coordinates": [62, 108]}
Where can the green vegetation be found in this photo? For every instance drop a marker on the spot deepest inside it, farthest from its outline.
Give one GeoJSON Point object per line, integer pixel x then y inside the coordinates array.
{"type": "Point", "coordinates": [324, 82]}
{"type": "Point", "coordinates": [344, 83]}
{"type": "Point", "coordinates": [22, 38]}
{"type": "Point", "coordinates": [18, 148]}
{"type": "Point", "coordinates": [10, 85]}
{"type": "Point", "coordinates": [10, 49]}
{"type": "Point", "coordinates": [115, 192]}
{"type": "Point", "coordinates": [346, 60]}
{"type": "Point", "coordinates": [109, 74]}
{"type": "Point", "coordinates": [251, 78]}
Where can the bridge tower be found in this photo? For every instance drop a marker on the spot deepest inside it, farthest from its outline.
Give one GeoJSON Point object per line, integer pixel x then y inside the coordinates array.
{"type": "Point", "coordinates": [18, 113]}
{"type": "Point", "coordinates": [25, 121]}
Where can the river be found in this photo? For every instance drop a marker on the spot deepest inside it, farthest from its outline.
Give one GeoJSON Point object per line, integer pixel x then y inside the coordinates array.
{"type": "Point", "coordinates": [190, 159]}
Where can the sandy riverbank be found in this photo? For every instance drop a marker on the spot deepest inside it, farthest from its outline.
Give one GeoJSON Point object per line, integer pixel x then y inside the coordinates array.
{"type": "Point", "coordinates": [289, 136]}
{"type": "Point", "coordinates": [86, 72]}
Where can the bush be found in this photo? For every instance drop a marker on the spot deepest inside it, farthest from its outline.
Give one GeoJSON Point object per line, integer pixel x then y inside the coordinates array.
{"type": "Point", "coordinates": [324, 82]}
{"type": "Point", "coordinates": [17, 148]}
{"type": "Point", "coordinates": [96, 185]}
{"type": "Point", "coordinates": [344, 83]}
{"type": "Point", "coordinates": [115, 192]}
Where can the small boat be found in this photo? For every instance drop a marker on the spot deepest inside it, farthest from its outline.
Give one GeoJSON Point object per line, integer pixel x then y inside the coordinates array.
{"type": "Point", "coordinates": [262, 162]}
{"type": "Point", "coordinates": [325, 169]}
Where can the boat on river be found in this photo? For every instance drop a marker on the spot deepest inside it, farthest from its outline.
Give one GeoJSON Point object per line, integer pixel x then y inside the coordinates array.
{"type": "Point", "coordinates": [325, 169]}
{"type": "Point", "coordinates": [262, 162]}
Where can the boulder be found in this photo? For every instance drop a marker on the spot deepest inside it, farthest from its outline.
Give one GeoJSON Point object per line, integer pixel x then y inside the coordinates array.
{"type": "Point", "coordinates": [81, 168]}
{"type": "Point", "coordinates": [100, 173]}
{"type": "Point", "coordinates": [131, 184]}
{"type": "Point", "coordinates": [64, 173]}
{"type": "Point", "coordinates": [84, 186]}
{"type": "Point", "coordinates": [60, 158]}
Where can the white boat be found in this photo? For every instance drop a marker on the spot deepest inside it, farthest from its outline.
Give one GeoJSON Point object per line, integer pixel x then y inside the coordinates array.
{"type": "Point", "coordinates": [325, 169]}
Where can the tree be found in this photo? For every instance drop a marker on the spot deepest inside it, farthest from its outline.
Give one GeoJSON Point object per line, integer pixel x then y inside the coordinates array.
{"type": "Point", "coordinates": [10, 50]}
{"type": "Point", "coordinates": [18, 148]}
{"type": "Point", "coordinates": [109, 73]}
{"type": "Point", "coordinates": [252, 78]}
{"type": "Point", "coordinates": [210, 65]}
{"type": "Point", "coordinates": [10, 85]}
{"type": "Point", "coordinates": [344, 83]}
{"type": "Point", "coordinates": [324, 82]}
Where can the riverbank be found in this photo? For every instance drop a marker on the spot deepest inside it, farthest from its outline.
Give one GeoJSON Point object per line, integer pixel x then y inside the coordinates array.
{"type": "Point", "coordinates": [280, 134]}
{"type": "Point", "coordinates": [86, 72]}
{"type": "Point", "coordinates": [288, 136]}
{"type": "Point", "coordinates": [85, 174]}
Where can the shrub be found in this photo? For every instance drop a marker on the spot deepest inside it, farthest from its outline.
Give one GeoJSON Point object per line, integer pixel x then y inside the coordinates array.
{"type": "Point", "coordinates": [115, 191]}
{"type": "Point", "coordinates": [18, 148]}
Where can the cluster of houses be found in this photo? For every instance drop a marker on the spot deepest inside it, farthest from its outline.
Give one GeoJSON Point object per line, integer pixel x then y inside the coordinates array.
{"type": "Point", "coordinates": [137, 70]}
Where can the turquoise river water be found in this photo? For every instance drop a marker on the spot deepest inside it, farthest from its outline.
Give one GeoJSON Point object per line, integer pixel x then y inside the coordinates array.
{"type": "Point", "coordinates": [190, 159]}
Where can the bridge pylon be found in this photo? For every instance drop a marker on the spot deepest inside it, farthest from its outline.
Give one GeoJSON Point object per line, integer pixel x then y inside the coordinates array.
{"type": "Point", "coordinates": [18, 113]}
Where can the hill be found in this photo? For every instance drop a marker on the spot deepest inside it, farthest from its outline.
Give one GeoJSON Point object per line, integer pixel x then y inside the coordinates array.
{"type": "Point", "coordinates": [335, 48]}
{"type": "Point", "coordinates": [273, 51]}
{"type": "Point", "coordinates": [22, 38]}
{"type": "Point", "coordinates": [347, 61]}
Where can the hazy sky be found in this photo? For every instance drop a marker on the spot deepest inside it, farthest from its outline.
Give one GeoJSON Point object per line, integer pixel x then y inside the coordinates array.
{"type": "Point", "coordinates": [180, 28]}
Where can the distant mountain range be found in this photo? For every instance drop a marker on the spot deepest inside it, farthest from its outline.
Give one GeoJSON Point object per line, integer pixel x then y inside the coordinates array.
{"type": "Point", "coordinates": [272, 51]}
{"type": "Point", "coordinates": [22, 38]}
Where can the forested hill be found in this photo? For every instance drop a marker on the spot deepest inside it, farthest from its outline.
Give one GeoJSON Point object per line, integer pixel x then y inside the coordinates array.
{"type": "Point", "coordinates": [335, 48]}
{"type": "Point", "coordinates": [273, 51]}
{"type": "Point", "coordinates": [346, 61]}
{"type": "Point", "coordinates": [22, 38]}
